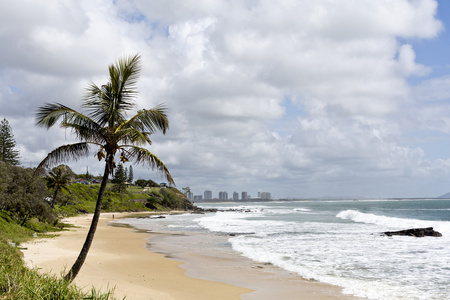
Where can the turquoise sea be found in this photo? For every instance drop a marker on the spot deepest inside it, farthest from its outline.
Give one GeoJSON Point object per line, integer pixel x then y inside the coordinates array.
{"type": "Point", "coordinates": [332, 241]}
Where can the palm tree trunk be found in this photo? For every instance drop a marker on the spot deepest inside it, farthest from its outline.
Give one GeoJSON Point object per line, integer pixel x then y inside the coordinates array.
{"type": "Point", "coordinates": [90, 236]}
{"type": "Point", "coordinates": [54, 197]}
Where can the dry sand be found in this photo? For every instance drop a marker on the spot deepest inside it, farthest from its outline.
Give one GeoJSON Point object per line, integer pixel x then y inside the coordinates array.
{"type": "Point", "coordinates": [118, 259]}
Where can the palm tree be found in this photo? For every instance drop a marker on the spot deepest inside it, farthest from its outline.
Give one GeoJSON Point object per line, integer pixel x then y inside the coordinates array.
{"type": "Point", "coordinates": [107, 127]}
{"type": "Point", "coordinates": [56, 180]}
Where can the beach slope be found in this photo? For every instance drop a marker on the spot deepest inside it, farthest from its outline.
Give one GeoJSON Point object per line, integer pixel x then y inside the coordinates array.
{"type": "Point", "coordinates": [118, 259]}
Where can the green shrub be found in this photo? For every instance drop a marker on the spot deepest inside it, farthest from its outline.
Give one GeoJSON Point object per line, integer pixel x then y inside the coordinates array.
{"type": "Point", "coordinates": [167, 198]}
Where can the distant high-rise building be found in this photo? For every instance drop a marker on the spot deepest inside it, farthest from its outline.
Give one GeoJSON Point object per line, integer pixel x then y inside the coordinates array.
{"type": "Point", "coordinates": [198, 198]}
{"type": "Point", "coordinates": [235, 196]}
{"type": "Point", "coordinates": [244, 196]}
{"type": "Point", "coordinates": [265, 196]}
{"type": "Point", "coordinates": [223, 196]}
{"type": "Point", "coordinates": [207, 195]}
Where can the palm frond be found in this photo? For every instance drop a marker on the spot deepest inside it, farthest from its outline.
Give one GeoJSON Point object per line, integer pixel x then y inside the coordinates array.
{"type": "Point", "coordinates": [125, 75]}
{"type": "Point", "coordinates": [149, 120]}
{"type": "Point", "coordinates": [133, 136]}
{"type": "Point", "coordinates": [108, 104]}
{"type": "Point", "coordinates": [63, 153]}
{"type": "Point", "coordinates": [86, 131]}
{"type": "Point", "coordinates": [94, 102]}
{"type": "Point", "coordinates": [145, 157]}
{"type": "Point", "coordinates": [100, 104]}
{"type": "Point", "coordinates": [48, 114]}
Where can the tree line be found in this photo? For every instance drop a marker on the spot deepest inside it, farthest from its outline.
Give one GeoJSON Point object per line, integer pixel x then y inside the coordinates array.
{"type": "Point", "coordinates": [59, 177]}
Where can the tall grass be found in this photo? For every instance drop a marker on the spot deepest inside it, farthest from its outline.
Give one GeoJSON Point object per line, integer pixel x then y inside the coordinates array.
{"type": "Point", "coordinates": [20, 283]}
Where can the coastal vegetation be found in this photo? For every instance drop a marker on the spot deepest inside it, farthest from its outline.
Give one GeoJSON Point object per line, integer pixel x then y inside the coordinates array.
{"type": "Point", "coordinates": [23, 194]}
{"type": "Point", "coordinates": [106, 127]}
{"type": "Point", "coordinates": [27, 199]}
{"type": "Point", "coordinates": [34, 201]}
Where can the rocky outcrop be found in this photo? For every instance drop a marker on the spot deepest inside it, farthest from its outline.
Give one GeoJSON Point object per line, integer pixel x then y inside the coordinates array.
{"type": "Point", "coordinates": [416, 232]}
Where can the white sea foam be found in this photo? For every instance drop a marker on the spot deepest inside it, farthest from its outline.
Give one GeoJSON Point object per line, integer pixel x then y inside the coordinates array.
{"type": "Point", "coordinates": [325, 266]}
{"type": "Point", "coordinates": [238, 223]}
{"type": "Point", "coordinates": [184, 226]}
{"type": "Point", "coordinates": [341, 254]}
{"type": "Point", "coordinates": [335, 242]}
{"type": "Point", "coordinates": [235, 207]}
{"type": "Point", "coordinates": [302, 209]}
{"type": "Point", "coordinates": [392, 222]}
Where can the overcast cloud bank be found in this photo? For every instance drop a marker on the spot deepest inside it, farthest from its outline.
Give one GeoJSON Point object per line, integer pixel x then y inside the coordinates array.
{"type": "Point", "coordinates": [296, 98]}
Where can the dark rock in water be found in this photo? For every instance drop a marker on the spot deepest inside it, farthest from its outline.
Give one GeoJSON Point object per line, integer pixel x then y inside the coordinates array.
{"type": "Point", "coordinates": [416, 232]}
{"type": "Point", "coordinates": [199, 210]}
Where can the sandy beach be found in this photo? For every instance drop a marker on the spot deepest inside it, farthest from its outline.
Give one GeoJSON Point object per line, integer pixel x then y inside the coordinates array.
{"type": "Point", "coordinates": [119, 259]}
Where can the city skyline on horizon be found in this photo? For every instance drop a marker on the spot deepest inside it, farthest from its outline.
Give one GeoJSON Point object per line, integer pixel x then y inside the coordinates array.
{"type": "Point", "coordinates": [223, 195]}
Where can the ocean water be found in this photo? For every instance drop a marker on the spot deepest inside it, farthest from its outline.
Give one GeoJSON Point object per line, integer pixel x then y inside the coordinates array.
{"type": "Point", "coordinates": [336, 242]}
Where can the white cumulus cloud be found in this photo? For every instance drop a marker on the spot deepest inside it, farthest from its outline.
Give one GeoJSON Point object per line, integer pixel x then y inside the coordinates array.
{"type": "Point", "coordinates": [298, 98]}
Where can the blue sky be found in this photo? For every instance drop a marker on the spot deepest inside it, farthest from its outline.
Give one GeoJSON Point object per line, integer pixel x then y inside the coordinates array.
{"type": "Point", "coordinates": [298, 98]}
{"type": "Point", "coordinates": [435, 52]}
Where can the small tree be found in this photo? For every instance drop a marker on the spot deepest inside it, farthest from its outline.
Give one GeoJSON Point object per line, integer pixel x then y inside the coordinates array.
{"type": "Point", "coordinates": [8, 153]}
{"type": "Point", "coordinates": [141, 182]}
{"type": "Point", "coordinates": [119, 179]}
{"type": "Point", "coordinates": [88, 176]}
{"type": "Point", "coordinates": [130, 175]}
{"type": "Point", "coordinates": [58, 179]}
